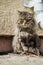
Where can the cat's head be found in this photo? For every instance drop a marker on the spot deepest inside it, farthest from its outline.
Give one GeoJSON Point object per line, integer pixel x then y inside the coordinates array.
{"type": "Point", "coordinates": [25, 15]}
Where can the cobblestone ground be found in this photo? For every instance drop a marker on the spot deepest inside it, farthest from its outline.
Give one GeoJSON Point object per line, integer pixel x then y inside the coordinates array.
{"type": "Point", "coordinates": [12, 59]}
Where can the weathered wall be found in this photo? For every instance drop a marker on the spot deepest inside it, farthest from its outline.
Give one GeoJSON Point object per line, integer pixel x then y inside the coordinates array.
{"type": "Point", "coordinates": [8, 15]}
{"type": "Point", "coordinates": [38, 30]}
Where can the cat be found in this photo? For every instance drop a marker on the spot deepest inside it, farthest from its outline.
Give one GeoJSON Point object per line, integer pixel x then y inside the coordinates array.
{"type": "Point", "coordinates": [26, 23]}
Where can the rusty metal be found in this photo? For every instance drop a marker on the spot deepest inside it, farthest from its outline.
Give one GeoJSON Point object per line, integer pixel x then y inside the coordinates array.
{"type": "Point", "coordinates": [6, 44]}
{"type": "Point", "coordinates": [41, 45]}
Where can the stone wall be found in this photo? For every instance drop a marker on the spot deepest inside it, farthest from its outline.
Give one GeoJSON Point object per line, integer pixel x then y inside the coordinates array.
{"type": "Point", "coordinates": [9, 16]}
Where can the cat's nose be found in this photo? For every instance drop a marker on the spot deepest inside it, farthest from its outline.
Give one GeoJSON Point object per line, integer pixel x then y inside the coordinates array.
{"type": "Point", "coordinates": [24, 22]}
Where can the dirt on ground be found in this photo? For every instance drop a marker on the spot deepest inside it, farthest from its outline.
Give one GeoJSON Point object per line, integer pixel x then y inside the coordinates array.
{"type": "Point", "coordinates": [14, 59]}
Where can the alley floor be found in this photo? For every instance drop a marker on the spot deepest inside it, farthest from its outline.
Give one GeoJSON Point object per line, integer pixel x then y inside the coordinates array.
{"type": "Point", "coordinates": [13, 59]}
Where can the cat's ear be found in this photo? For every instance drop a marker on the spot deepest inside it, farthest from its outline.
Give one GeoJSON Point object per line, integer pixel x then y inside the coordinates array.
{"type": "Point", "coordinates": [32, 8]}
{"type": "Point", "coordinates": [19, 12]}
